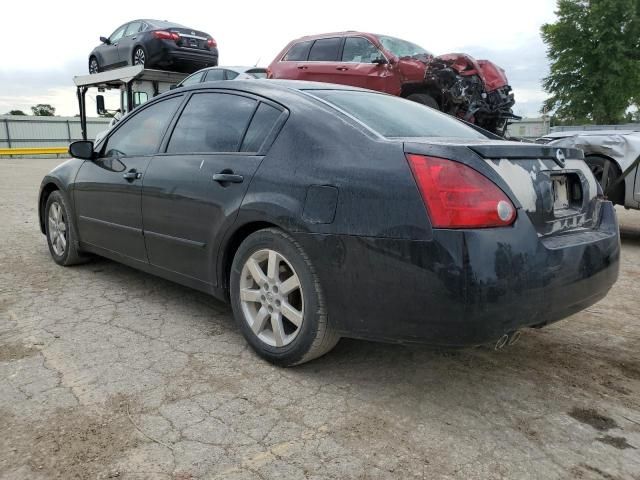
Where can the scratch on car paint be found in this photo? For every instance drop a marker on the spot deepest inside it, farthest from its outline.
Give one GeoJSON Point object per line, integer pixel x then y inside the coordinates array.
{"type": "Point", "coordinates": [520, 180]}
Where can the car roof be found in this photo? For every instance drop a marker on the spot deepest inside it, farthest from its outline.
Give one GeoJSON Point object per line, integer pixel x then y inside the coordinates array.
{"type": "Point", "coordinates": [336, 34]}
{"type": "Point", "coordinates": [272, 87]}
{"type": "Point", "coordinates": [234, 68]}
{"type": "Point", "coordinates": [159, 23]}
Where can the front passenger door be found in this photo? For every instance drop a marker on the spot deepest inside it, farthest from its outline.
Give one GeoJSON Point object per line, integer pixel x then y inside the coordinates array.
{"type": "Point", "coordinates": [107, 194]}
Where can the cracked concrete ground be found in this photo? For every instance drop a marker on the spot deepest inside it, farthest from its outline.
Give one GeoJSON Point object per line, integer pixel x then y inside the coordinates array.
{"type": "Point", "coordinates": [108, 372]}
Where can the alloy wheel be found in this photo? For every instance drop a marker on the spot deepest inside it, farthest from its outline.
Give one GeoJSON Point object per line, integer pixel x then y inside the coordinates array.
{"type": "Point", "coordinates": [93, 66]}
{"type": "Point", "coordinates": [271, 298]}
{"type": "Point", "coordinates": [57, 229]}
{"type": "Point", "coordinates": [139, 57]}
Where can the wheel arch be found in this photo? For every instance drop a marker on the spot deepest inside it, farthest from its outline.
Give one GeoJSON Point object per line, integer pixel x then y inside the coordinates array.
{"type": "Point", "coordinates": [231, 245]}
{"type": "Point", "coordinates": [47, 189]}
{"type": "Point", "coordinates": [620, 192]}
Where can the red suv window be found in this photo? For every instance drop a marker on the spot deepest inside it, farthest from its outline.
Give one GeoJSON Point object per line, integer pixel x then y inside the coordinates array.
{"type": "Point", "coordinates": [325, 50]}
{"type": "Point", "coordinates": [299, 52]}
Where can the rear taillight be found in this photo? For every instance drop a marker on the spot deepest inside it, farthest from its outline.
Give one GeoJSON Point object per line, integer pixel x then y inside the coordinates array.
{"type": "Point", "coordinates": [164, 35]}
{"type": "Point", "coordinates": [457, 196]}
{"type": "Point", "coordinates": [269, 73]}
{"type": "Point", "coordinates": [211, 43]}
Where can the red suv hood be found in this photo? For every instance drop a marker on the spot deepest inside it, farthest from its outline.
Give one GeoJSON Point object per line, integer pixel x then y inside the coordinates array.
{"type": "Point", "coordinates": [491, 74]}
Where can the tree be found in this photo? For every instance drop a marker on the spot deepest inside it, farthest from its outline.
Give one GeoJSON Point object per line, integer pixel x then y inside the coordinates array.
{"type": "Point", "coordinates": [594, 51]}
{"type": "Point", "coordinates": [43, 110]}
{"type": "Point", "coordinates": [16, 112]}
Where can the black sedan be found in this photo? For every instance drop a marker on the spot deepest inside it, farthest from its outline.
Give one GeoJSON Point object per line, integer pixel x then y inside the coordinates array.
{"type": "Point", "coordinates": [155, 44]}
{"type": "Point", "coordinates": [323, 211]}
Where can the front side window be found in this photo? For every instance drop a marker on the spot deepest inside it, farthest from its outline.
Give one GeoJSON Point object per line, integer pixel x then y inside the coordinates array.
{"type": "Point", "coordinates": [117, 35]}
{"type": "Point", "coordinates": [134, 27]}
{"type": "Point", "coordinates": [325, 50]}
{"type": "Point", "coordinates": [212, 122]}
{"type": "Point", "coordinates": [359, 50]}
{"type": "Point", "coordinates": [142, 133]}
{"type": "Point", "coordinates": [298, 53]}
{"type": "Point", "coordinates": [396, 117]}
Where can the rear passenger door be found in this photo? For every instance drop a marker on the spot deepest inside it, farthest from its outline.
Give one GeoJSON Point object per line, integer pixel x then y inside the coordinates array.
{"type": "Point", "coordinates": [127, 42]}
{"type": "Point", "coordinates": [324, 61]}
{"type": "Point", "coordinates": [192, 191]}
{"type": "Point", "coordinates": [294, 63]}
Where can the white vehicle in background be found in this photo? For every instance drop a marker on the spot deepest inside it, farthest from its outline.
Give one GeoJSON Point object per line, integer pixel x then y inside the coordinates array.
{"type": "Point", "coordinates": [612, 155]}
{"type": "Point", "coordinates": [212, 74]}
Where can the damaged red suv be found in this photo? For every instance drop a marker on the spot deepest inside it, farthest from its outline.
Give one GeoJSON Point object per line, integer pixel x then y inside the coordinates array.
{"type": "Point", "coordinates": [474, 90]}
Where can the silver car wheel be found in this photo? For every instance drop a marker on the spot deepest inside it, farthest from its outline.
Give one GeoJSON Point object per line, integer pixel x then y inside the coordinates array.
{"type": "Point", "coordinates": [57, 229]}
{"type": "Point", "coordinates": [271, 298]}
{"type": "Point", "coordinates": [139, 57]}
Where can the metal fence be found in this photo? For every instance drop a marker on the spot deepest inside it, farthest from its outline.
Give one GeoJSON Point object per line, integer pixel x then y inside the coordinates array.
{"type": "Point", "coordinates": [18, 131]}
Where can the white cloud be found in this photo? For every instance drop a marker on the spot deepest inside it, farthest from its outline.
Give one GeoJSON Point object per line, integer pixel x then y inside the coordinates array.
{"type": "Point", "coordinates": [58, 36]}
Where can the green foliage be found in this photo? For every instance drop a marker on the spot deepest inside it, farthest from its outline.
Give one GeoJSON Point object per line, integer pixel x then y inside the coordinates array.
{"type": "Point", "coordinates": [16, 112]}
{"type": "Point", "coordinates": [43, 110]}
{"type": "Point", "coordinates": [594, 51]}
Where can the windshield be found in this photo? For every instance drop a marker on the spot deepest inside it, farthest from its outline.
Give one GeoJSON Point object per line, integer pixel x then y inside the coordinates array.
{"type": "Point", "coordinates": [402, 48]}
{"type": "Point", "coordinates": [396, 117]}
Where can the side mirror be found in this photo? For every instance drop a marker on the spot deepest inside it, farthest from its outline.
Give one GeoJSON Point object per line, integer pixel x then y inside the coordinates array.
{"type": "Point", "coordinates": [173, 87]}
{"type": "Point", "coordinates": [82, 149]}
{"type": "Point", "coordinates": [105, 40]}
{"type": "Point", "coordinates": [379, 61]}
{"type": "Point", "coordinates": [100, 105]}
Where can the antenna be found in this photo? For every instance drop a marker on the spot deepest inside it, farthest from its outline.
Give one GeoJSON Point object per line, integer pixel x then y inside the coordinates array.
{"type": "Point", "coordinates": [257, 61]}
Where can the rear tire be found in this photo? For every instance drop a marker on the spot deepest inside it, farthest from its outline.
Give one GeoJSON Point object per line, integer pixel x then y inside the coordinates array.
{"type": "Point", "coordinates": [61, 234]}
{"type": "Point", "coordinates": [277, 300]}
{"type": "Point", "coordinates": [139, 56]}
{"type": "Point", "coordinates": [597, 164]}
{"type": "Point", "coordinates": [424, 99]}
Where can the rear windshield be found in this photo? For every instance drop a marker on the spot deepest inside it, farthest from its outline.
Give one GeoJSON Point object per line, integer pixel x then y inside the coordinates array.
{"type": "Point", "coordinates": [396, 117]}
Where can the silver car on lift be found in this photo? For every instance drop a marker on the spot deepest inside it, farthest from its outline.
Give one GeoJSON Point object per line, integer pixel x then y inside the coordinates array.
{"type": "Point", "coordinates": [612, 155]}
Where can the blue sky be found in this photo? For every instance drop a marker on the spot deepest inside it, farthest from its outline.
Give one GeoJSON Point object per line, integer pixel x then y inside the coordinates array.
{"type": "Point", "coordinates": [59, 36]}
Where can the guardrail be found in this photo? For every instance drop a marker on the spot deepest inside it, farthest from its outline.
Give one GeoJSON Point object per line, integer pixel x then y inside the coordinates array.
{"type": "Point", "coordinates": [34, 151]}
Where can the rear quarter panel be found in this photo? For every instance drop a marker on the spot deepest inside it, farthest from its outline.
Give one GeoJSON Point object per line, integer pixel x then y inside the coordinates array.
{"type": "Point", "coordinates": [376, 193]}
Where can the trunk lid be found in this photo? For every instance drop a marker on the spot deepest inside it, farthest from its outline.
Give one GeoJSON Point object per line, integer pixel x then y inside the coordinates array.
{"type": "Point", "coordinates": [191, 38]}
{"type": "Point", "coordinates": [553, 186]}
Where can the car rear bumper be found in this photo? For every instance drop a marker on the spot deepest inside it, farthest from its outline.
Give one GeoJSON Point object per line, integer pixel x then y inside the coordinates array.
{"type": "Point", "coordinates": [168, 54]}
{"type": "Point", "coordinates": [462, 287]}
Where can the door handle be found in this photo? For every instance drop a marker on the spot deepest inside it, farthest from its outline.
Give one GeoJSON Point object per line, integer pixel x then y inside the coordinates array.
{"type": "Point", "coordinates": [132, 175]}
{"type": "Point", "coordinates": [302, 67]}
{"type": "Point", "coordinates": [342, 69]}
{"type": "Point", "coordinates": [227, 177]}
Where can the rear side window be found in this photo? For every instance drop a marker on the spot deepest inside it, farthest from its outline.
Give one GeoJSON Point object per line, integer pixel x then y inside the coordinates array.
{"type": "Point", "coordinates": [298, 53]}
{"type": "Point", "coordinates": [325, 50]}
{"type": "Point", "coordinates": [134, 27]}
{"type": "Point", "coordinates": [212, 122]}
{"type": "Point", "coordinates": [359, 50]}
{"type": "Point", "coordinates": [396, 117]}
{"type": "Point", "coordinates": [193, 79]}
{"type": "Point", "coordinates": [141, 134]}
{"type": "Point", "coordinates": [262, 123]}
{"type": "Point", "coordinates": [216, 74]}
{"type": "Point", "coordinates": [231, 74]}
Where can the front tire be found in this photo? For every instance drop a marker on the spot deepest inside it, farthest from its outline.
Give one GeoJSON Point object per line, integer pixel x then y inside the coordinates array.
{"type": "Point", "coordinates": [61, 234]}
{"type": "Point", "coordinates": [94, 66]}
{"type": "Point", "coordinates": [277, 300]}
{"type": "Point", "coordinates": [424, 99]}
